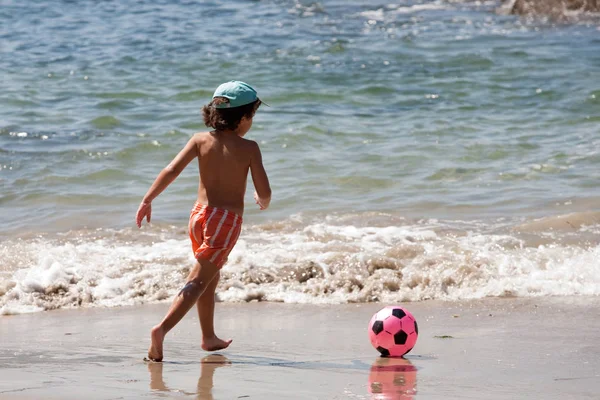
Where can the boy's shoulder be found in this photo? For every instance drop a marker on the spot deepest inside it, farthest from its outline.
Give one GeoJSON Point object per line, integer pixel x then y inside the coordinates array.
{"type": "Point", "coordinates": [200, 135]}
{"type": "Point", "coordinates": [252, 147]}
{"type": "Point", "coordinates": [200, 138]}
{"type": "Point", "coordinates": [250, 142]}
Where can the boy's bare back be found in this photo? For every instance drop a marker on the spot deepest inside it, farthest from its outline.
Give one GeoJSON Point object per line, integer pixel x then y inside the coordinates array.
{"type": "Point", "coordinates": [224, 156]}
{"type": "Point", "coordinates": [224, 160]}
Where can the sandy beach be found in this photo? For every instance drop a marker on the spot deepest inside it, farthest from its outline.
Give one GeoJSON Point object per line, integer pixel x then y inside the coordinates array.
{"type": "Point", "coordinates": [491, 349]}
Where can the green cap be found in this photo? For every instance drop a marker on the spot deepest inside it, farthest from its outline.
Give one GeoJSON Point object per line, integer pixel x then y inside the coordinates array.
{"type": "Point", "coordinates": [238, 93]}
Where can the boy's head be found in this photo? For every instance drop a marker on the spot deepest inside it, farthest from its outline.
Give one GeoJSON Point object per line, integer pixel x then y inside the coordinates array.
{"type": "Point", "coordinates": [231, 102]}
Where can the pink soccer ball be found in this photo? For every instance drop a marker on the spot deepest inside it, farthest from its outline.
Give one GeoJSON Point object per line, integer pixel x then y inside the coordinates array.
{"type": "Point", "coordinates": [393, 331]}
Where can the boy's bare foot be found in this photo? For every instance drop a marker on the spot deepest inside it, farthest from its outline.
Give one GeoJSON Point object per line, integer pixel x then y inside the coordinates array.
{"type": "Point", "coordinates": [214, 344]}
{"type": "Point", "coordinates": [155, 352]}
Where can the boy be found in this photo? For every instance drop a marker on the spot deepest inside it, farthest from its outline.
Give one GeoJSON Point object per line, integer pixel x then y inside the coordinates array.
{"type": "Point", "coordinates": [224, 158]}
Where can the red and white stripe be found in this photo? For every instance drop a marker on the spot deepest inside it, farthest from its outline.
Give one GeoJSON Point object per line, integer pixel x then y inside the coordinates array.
{"type": "Point", "coordinates": [227, 239]}
{"type": "Point", "coordinates": [214, 210]}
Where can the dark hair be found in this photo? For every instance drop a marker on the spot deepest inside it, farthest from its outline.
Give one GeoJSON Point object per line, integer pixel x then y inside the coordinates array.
{"type": "Point", "coordinates": [227, 118]}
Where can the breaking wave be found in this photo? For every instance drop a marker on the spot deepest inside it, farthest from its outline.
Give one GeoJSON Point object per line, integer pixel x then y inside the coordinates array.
{"type": "Point", "coordinates": [336, 259]}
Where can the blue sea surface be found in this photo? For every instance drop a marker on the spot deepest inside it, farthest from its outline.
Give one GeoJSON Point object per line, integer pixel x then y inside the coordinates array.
{"type": "Point", "coordinates": [382, 114]}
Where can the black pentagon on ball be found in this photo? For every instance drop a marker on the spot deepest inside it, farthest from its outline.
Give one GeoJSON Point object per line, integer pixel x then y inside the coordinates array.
{"type": "Point", "coordinates": [416, 328]}
{"type": "Point", "coordinates": [400, 337]}
{"type": "Point", "coordinates": [377, 327]}
{"type": "Point", "coordinates": [398, 313]}
{"type": "Point", "coordinates": [384, 352]}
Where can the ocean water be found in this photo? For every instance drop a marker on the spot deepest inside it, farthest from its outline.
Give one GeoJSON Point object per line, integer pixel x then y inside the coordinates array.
{"type": "Point", "coordinates": [416, 149]}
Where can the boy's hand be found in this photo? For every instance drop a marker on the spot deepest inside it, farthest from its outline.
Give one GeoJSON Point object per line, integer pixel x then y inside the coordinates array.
{"type": "Point", "coordinates": [257, 199]}
{"type": "Point", "coordinates": [145, 210]}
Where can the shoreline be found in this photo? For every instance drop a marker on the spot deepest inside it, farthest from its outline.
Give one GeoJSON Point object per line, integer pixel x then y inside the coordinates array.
{"type": "Point", "coordinates": [336, 261]}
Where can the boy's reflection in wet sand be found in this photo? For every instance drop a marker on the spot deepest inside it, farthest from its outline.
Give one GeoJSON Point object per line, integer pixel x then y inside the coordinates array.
{"type": "Point", "coordinates": [208, 365]}
{"type": "Point", "coordinates": [389, 378]}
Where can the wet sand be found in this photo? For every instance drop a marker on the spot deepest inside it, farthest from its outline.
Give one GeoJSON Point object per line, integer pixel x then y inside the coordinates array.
{"type": "Point", "coordinates": [547, 348]}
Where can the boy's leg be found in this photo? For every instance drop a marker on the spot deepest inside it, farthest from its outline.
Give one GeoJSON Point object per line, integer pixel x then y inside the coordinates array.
{"type": "Point", "coordinates": [206, 314]}
{"type": "Point", "coordinates": [156, 377]}
{"type": "Point", "coordinates": [198, 280]}
{"type": "Point", "coordinates": [208, 366]}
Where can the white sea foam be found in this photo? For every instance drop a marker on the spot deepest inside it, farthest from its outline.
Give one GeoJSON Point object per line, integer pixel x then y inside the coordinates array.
{"type": "Point", "coordinates": [381, 13]}
{"type": "Point", "coordinates": [421, 7]}
{"type": "Point", "coordinates": [327, 261]}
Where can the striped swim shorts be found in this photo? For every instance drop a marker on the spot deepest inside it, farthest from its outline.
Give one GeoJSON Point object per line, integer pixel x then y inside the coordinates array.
{"type": "Point", "coordinates": [213, 231]}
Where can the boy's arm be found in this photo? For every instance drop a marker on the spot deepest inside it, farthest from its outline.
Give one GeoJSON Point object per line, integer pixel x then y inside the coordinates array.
{"type": "Point", "coordinates": [262, 195]}
{"type": "Point", "coordinates": [165, 178]}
